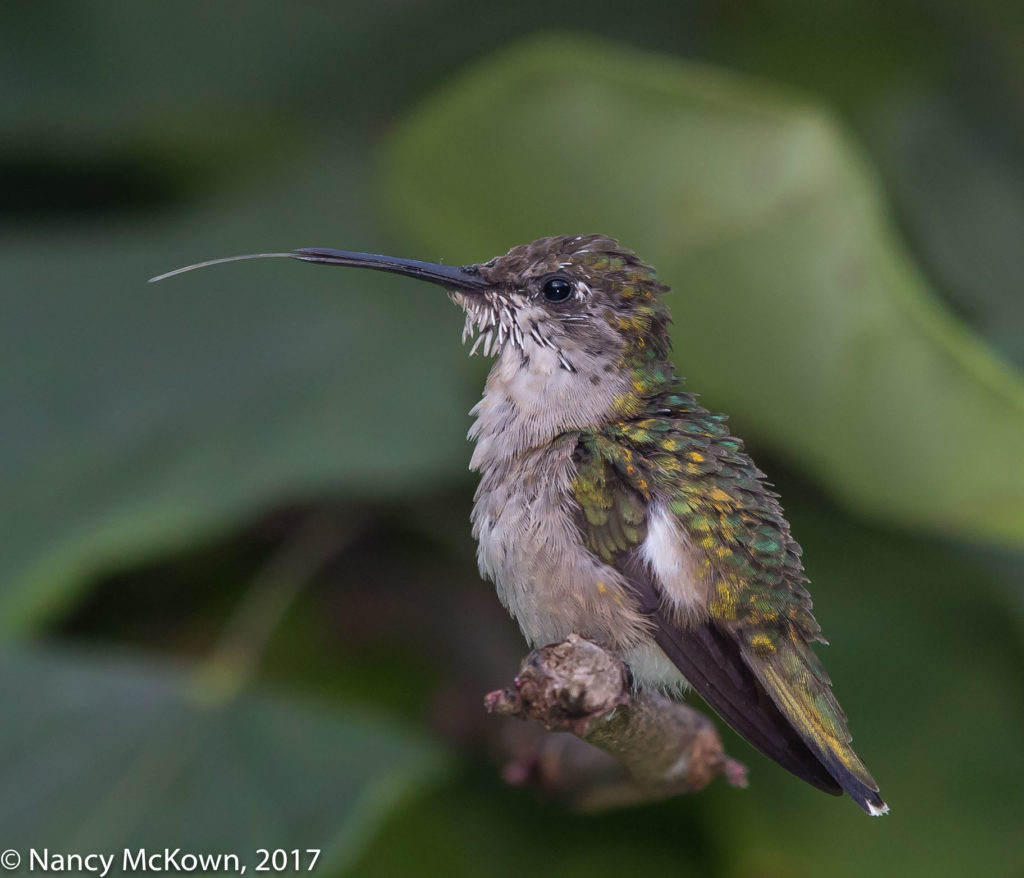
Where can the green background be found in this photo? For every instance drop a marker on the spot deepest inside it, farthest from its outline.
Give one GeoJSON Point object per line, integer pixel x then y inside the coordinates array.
{"type": "Point", "coordinates": [238, 599]}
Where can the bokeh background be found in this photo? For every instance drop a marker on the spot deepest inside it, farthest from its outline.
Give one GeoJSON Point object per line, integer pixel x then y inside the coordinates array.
{"type": "Point", "coordinates": [237, 589]}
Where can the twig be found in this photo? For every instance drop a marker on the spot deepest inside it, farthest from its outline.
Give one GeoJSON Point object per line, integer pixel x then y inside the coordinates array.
{"type": "Point", "coordinates": [645, 747]}
{"type": "Point", "coordinates": [273, 591]}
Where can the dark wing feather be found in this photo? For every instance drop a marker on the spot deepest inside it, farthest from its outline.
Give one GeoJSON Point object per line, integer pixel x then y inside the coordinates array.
{"type": "Point", "coordinates": [712, 663]}
{"type": "Point", "coordinates": [751, 659]}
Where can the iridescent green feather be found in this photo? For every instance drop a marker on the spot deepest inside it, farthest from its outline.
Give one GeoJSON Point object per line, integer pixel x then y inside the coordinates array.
{"type": "Point", "coordinates": [614, 507]}
{"type": "Point", "coordinates": [679, 453]}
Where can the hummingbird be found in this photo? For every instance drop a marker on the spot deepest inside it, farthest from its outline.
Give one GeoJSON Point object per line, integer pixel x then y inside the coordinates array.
{"type": "Point", "coordinates": [612, 505]}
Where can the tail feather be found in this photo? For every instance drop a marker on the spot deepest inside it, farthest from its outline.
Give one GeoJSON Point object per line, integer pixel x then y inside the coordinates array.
{"type": "Point", "coordinates": [712, 665]}
{"type": "Point", "coordinates": [770, 687]}
{"type": "Point", "coordinates": [806, 700]}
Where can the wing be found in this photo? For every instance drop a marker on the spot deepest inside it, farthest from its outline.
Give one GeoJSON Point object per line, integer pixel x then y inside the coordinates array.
{"type": "Point", "coordinates": [749, 656]}
{"type": "Point", "coordinates": [712, 663]}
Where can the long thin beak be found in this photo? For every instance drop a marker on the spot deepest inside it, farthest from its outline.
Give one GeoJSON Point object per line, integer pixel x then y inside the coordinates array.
{"type": "Point", "coordinates": [453, 277]}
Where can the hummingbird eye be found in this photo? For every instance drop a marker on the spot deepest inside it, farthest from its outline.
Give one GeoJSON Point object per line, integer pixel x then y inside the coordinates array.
{"type": "Point", "coordinates": [557, 289]}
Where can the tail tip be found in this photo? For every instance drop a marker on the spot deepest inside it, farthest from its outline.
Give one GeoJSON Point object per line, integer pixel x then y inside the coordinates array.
{"type": "Point", "coordinates": [875, 806]}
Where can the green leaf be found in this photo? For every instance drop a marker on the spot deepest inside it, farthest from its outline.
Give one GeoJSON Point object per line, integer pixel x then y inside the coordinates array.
{"type": "Point", "coordinates": [88, 73]}
{"type": "Point", "coordinates": [797, 309]}
{"type": "Point", "coordinates": [138, 417]}
{"type": "Point", "coordinates": [103, 753]}
{"type": "Point", "coordinates": [474, 827]}
{"type": "Point", "coordinates": [964, 205]}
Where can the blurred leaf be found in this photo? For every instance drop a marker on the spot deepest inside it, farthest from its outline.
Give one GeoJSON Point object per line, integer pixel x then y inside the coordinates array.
{"type": "Point", "coordinates": [963, 202]}
{"type": "Point", "coordinates": [474, 827]}
{"type": "Point", "coordinates": [139, 417]}
{"type": "Point", "coordinates": [105, 753]}
{"type": "Point", "coordinates": [88, 72]}
{"type": "Point", "coordinates": [796, 309]}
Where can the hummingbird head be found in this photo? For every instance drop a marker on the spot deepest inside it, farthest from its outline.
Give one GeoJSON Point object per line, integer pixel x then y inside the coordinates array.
{"type": "Point", "coordinates": [580, 297]}
{"type": "Point", "coordinates": [575, 299]}
{"type": "Point", "coordinates": [576, 323]}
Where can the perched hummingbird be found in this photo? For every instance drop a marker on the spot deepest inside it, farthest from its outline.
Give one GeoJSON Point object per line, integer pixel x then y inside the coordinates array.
{"type": "Point", "coordinates": [612, 505]}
